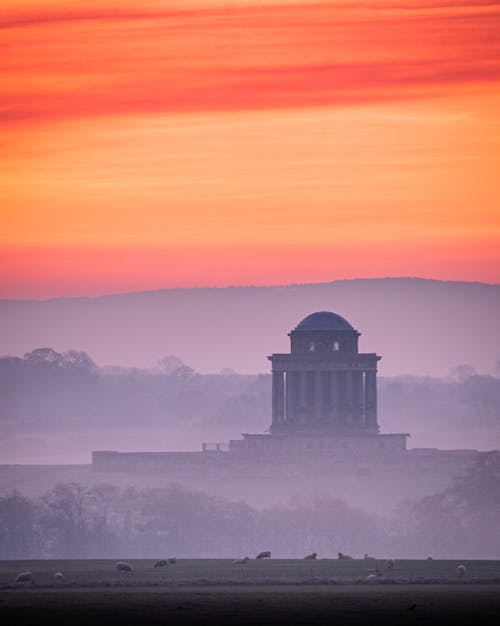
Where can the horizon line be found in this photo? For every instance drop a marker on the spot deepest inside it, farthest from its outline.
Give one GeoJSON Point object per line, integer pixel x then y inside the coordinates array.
{"type": "Point", "coordinates": [249, 286]}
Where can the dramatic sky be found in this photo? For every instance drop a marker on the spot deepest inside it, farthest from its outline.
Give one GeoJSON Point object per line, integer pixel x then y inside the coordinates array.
{"type": "Point", "coordinates": [189, 143]}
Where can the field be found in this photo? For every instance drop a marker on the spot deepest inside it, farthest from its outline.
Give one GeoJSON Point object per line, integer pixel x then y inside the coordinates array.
{"type": "Point", "coordinates": [212, 572]}
{"type": "Point", "coordinates": [204, 591]}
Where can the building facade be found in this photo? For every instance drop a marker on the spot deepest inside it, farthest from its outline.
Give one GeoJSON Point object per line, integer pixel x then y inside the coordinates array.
{"type": "Point", "coordinates": [324, 396]}
{"type": "Point", "coordinates": [324, 383]}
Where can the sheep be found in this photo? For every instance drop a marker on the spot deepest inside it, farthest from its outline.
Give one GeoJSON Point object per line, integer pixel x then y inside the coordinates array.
{"type": "Point", "coordinates": [161, 563]}
{"type": "Point", "coordinates": [391, 563]}
{"type": "Point", "coordinates": [24, 577]}
{"type": "Point", "coordinates": [369, 558]}
{"type": "Point", "coordinates": [371, 578]}
{"type": "Point", "coordinates": [311, 557]}
{"type": "Point", "coordinates": [123, 568]}
{"type": "Point", "coordinates": [242, 561]}
{"type": "Point", "coordinates": [344, 556]}
{"type": "Point", "coordinates": [461, 570]}
{"type": "Point", "coordinates": [172, 560]}
{"type": "Point", "coordinates": [264, 555]}
{"type": "Point", "coordinates": [59, 577]}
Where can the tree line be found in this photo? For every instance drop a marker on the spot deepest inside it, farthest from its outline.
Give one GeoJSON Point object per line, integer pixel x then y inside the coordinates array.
{"type": "Point", "coordinates": [104, 521]}
{"type": "Point", "coordinates": [46, 389]}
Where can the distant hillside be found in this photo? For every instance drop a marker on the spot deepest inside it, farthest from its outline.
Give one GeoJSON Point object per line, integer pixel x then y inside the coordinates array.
{"type": "Point", "coordinates": [418, 326]}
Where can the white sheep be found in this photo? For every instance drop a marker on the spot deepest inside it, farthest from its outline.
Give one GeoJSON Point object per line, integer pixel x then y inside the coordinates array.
{"type": "Point", "coordinates": [461, 570]}
{"type": "Point", "coordinates": [311, 557]}
{"type": "Point", "coordinates": [59, 577]}
{"type": "Point", "coordinates": [242, 561]}
{"type": "Point", "coordinates": [371, 578]}
{"type": "Point", "coordinates": [24, 577]}
{"type": "Point", "coordinates": [123, 568]}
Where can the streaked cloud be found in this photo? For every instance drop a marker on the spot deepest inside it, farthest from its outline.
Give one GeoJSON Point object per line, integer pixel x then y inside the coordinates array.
{"type": "Point", "coordinates": [202, 142]}
{"type": "Point", "coordinates": [106, 59]}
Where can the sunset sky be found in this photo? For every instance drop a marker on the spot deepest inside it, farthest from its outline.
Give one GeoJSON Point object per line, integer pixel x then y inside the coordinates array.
{"type": "Point", "coordinates": [147, 145]}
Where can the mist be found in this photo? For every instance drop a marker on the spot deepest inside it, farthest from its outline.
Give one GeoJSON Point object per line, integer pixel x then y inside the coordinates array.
{"type": "Point", "coordinates": [58, 407]}
{"type": "Point", "coordinates": [59, 403]}
{"type": "Point", "coordinates": [105, 521]}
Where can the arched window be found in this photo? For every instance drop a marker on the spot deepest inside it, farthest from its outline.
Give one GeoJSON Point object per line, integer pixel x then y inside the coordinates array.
{"type": "Point", "coordinates": [336, 346]}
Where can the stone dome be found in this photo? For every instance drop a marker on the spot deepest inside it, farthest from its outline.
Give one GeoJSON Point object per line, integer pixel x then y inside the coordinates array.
{"type": "Point", "coordinates": [324, 320]}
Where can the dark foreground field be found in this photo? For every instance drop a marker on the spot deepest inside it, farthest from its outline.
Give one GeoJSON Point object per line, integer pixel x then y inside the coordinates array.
{"type": "Point", "coordinates": [297, 605]}
{"type": "Point", "coordinates": [279, 592]}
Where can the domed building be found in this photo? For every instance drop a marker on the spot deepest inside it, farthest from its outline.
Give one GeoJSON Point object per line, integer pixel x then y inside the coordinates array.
{"type": "Point", "coordinates": [324, 383]}
{"type": "Point", "coordinates": [324, 419]}
{"type": "Point", "coordinates": [324, 393]}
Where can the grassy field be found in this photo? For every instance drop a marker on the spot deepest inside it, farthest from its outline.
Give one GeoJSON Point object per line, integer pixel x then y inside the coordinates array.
{"type": "Point", "coordinates": [279, 592]}
{"type": "Point", "coordinates": [102, 573]}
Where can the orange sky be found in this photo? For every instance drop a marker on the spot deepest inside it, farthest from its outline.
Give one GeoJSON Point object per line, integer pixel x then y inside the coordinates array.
{"type": "Point", "coordinates": [204, 143]}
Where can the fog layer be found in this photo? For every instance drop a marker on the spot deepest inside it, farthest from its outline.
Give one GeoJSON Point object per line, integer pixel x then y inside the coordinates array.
{"type": "Point", "coordinates": [58, 407]}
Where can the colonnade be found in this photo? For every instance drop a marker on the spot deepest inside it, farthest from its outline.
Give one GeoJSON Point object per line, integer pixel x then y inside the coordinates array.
{"type": "Point", "coordinates": [345, 397]}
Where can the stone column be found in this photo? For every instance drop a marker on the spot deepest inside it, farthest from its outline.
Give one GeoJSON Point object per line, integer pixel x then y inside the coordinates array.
{"type": "Point", "coordinates": [375, 400]}
{"type": "Point", "coordinates": [371, 399]}
{"type": "Point", "coordinates": [348, 404]}
{"type": "Point", "coordinates": [318, 396]}
{"type": "Point", "coordinates": [278, 397]}
{"type": "Point", "coordinates": [357, 397]}
{"type": "Point", "coordinates": [326, 396]}
{"type": "Point", "coordinates": [289, 414]}
{"type": "Point", "coordinates": [304, 408]}
{"type": "Point", "coordinates": [335, 397]}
